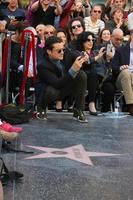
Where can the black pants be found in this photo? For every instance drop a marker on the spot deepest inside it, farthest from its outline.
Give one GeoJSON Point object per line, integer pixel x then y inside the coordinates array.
{"type": "Point", "coordinates": [92, 83]}
{"type": "Point", "coordinates": [77, 88]}
{"type": "Point", "coordinates": [108, 89]}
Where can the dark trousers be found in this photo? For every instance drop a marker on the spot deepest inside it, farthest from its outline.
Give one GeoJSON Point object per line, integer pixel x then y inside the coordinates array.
{"type": "Point", "coordinates": [92, 83]}
{"type": "Point", "coordinates": [108, 89]}
{"type": "Point", "coordinates": [76, 88]}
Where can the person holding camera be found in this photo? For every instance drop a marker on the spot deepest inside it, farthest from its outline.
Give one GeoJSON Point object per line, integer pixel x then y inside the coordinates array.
{"type": "Point", "coordinates": [85, 43]}
{"type": "Point", "coordinates": [14, 13]}
{"type": "Point", "coordinates": [59, 80]}
{"type": "Point", "coordinates": [44, 13]}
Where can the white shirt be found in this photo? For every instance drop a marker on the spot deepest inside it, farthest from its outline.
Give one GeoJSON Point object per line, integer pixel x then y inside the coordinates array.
{"type": "Point", "coordinates": [130, 21]}
{"type": "Point", "coordinates": [89, 26]}
{"type": "Point", "coordinates": [131, 58]}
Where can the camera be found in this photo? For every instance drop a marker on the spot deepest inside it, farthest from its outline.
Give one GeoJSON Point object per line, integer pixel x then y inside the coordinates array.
{"type": "Point", "coordinates": [108, 49]}
{"type": "Point", "coordinates": [82, 54]}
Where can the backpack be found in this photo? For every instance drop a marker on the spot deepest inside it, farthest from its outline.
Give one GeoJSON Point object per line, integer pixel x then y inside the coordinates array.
{"type": "Point", "coordinates": [15, 114]}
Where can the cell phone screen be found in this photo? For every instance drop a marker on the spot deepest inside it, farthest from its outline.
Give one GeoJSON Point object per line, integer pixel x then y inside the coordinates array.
{"type": "Point", "coordinates": [125, 15]}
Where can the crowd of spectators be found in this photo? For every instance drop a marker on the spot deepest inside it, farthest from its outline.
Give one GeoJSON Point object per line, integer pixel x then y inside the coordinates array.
{"type": "Point", "coordinates": [98, 34]}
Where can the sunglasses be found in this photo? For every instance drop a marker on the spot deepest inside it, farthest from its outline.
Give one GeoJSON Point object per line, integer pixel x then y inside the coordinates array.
{"type": "Point", "coordinates": [49, 32]}
{"type": "Point", "coordinates": [90, 40]}
{"type": "Point", "coordinates": [60, 50]}
{"type": "Point", "coordinates": [76, 26]}
{"type": "Point", "coordinates": [97, 11]}
{"type": "Point", "coordinates": [119, 39]}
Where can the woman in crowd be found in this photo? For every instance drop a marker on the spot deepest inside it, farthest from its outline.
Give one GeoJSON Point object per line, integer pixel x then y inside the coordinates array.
{"type": "Point", "coordinates": [117, 20]}
{"type": "Point", "coordinates": [85, 43]}
{"type": "Point", "coordinates": [104, 36]}
{"type": "Point", "coordinates": [106, 84]}
{"type": "Point", "coordinates": [93, 23]}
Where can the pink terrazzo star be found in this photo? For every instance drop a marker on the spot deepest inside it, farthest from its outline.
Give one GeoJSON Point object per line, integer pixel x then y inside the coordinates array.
{"type": "Point", "coordinates": [77, 153]}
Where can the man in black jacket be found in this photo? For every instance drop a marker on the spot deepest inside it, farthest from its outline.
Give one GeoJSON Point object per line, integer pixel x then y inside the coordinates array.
{"type": "Point", "coordinates": [60, 81]}
{"type": "Point", "coordinates": [122, 66]}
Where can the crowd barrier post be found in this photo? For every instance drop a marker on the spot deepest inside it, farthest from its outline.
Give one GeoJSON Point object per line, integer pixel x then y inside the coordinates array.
{"type": "Point", "coordinates": [9, 34]}
{"type": "Point", "coordinates": [2, 36]}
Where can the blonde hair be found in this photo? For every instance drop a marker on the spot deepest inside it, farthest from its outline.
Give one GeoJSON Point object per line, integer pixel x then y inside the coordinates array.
{"type": "Point", "coordinates": [50, 26]}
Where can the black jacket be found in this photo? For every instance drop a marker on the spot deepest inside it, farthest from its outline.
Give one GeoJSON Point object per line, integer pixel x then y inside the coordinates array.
{"type": "Point", "coordinates": [121, 57]}
{"type": "Point", "coordinates": [50, 75]}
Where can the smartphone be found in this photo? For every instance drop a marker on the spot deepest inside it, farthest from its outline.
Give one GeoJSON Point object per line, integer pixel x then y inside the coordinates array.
{"type": "Point", "coordinates": [108, 49]}
{"type": "Point", "coordinates": [20, 18]}
{"type": "Point", "coordinates": [125, 16]}
{"type": "Point", "coordinates": [82, 54]}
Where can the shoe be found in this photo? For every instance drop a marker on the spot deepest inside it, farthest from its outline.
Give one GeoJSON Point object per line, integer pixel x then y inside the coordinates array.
{"type": "Point", "coordinates": [58, 109]}
{"type": "Point", "coordinates": [93, 113]}
{"type": "Point", "coordinates": [9, 128]}
{"type": "Point", "coordinates": [79, 116]}
{"type": "Point", "coordinates": [130, 109]}
{"type": "Point", "coordinates": [70, 110]}
{"type": "Point", "coordinates": [41, 115]}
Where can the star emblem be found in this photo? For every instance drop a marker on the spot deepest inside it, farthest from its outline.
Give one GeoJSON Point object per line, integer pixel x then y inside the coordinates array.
{"type": "Point", "coordinates": [76, 152]}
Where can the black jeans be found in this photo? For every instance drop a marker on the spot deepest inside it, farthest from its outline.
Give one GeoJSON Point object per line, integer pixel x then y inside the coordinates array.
{"type": "Point", "coordinates": [77, 88]}
{"type": "Point", "coordinates": [92, 83]}
{"type": "Point", "coordinates": [108, 89]}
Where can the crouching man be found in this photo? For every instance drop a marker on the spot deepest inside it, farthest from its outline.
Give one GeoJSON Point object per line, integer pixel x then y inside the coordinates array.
{"type": "Point", "coordinates": [58, 81]}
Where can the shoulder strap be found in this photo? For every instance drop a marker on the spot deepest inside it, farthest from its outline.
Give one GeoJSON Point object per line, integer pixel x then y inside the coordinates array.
{"type": "Point", "coordinates": [8, 148]}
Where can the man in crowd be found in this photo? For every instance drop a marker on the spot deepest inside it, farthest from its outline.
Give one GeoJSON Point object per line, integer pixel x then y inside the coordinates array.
{"type": "Point", "coordinates": [59, 82]}
{"type": "Point", "coordinates": [108, 87]}
{"type": "Point", "coordinates": [122, 65]}
{"type": "Point", "coordinates": [15, 14]}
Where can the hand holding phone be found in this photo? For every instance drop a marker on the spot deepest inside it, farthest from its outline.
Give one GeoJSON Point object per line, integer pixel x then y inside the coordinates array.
{"type": "Point", "coordinates": [20, 18]}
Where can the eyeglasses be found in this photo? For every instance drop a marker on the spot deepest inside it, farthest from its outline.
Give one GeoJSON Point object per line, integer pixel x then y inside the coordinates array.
{"type": "Point", "coordinates": [119, 39]}
{"type": "Point", "coordinates": [76, 26]}
{"type": "Point", "coordinates": [90, 40]}
{"type": "Point", "coordinates": [59, 50]}
{"type": "Point", "coordinates": [49, 32]}
{"type": "Point", "coordinates": [97, 11]}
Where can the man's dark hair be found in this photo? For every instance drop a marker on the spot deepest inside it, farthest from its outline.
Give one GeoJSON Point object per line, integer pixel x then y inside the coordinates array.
{"type": "Point", "coordinates": [51, 41]}
{"type": "Point", "coordinates": [69, 26]}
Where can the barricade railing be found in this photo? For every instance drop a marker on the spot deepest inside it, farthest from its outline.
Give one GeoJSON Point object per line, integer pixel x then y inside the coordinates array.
{"type": "Point", "coordinates": [28, 45]}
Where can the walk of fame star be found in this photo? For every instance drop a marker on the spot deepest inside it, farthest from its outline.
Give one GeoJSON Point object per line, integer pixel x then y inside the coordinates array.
{"type": "Point", "coordinates": [76, 153]}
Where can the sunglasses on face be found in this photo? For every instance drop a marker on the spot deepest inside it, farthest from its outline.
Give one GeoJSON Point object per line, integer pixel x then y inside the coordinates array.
{"type": "Point", "coordinates": [76, 26]}
{"type": "Point", "coordinates": [119, 39]}
{"type": "Point", "coordinates": [49, 32]}
{"type": "Point", "coordinates": [60, 50]}
{"type": "Point", "coordinates": [90, 40]}
{"type": "Point", "coordinates": [97, 11]}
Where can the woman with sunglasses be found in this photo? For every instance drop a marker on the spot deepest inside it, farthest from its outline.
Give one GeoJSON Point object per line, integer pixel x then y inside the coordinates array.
{"type": "Point", "coordinates": [93, 23]}
{"type": "Point", "coordinates": [85, 42]}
